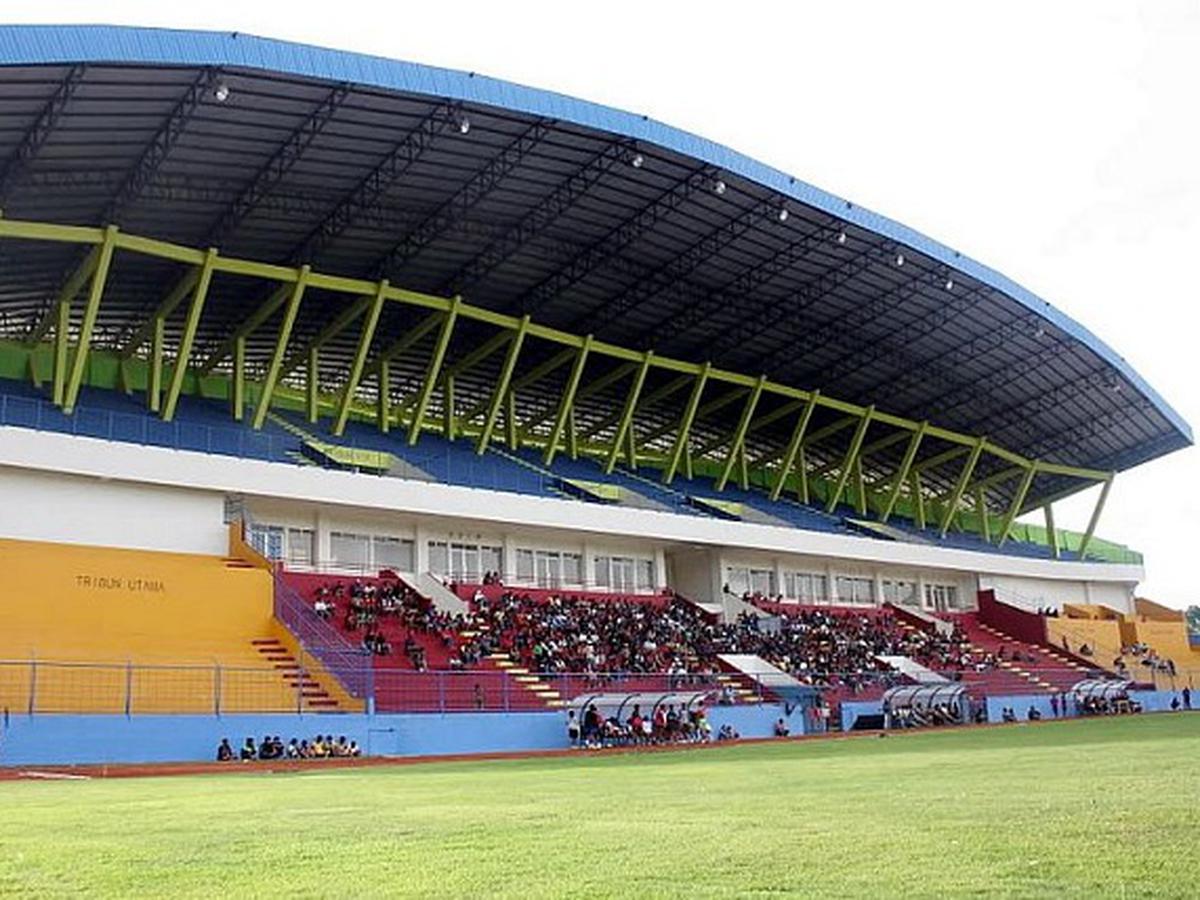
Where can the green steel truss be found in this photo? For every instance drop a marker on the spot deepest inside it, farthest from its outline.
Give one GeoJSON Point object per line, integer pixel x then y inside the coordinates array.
{"type": "Point", "coordinates": [659, 405]}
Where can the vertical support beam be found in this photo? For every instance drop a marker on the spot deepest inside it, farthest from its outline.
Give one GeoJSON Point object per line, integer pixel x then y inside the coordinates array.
{"type": "Point", "coordinates": [365, 337]}
{"type": "Point", "coordinates": [90, 311]}
{"type": "Point", "coordinates": [910, 455]}
{"type": "Point", "coordinates": [851, 455]}
{"type": "Point", "coordinates": [501, 389]}
{"type": "Point", "coordinates": [1095, 519]}
{"type": "Point", "coordinates": [62, 334]}
{"type": "Point", "coordinates": [739, 433]}
{"type": "Point", "coordinates": [1051, 531]}
{"type": "Point", "coordinates": [568, 399]}
{"type": "Point", "coordinates": [572, 435]}
{"type": "Point", "coordinates": [631, 458]}
{"type": "Point", "coordinates": [510, 420]}
{"type": "Point", "coordinates": [685, 424]}
{"type": "Point", "coordinates": [448, 407]}
{"type": "Point", "coordinates": [794, 447]}
{"type": "Point", "coordinates": [1015, 506]}
{"type": "Point", "coordinates": [312, 388]}
{"type": "Point", "coordinates": [285, 333]}
{"type": "Point", "coordinates": [918, 499]}
{"type": "Point", "coordinates": [743, 469]}
{"type": "Point", "coordinates": [383, 411]}
{"type": "Point", "coordinates": [431, 374]}
{"type": "Point", "coordinates": [238, 395]}
{"type": "Point", "coordinates": [189, 335]}
{"type": "Point", "coordinates": [985, 524]}
{"type": "Point", "coordinates": [154, 377]}
{"type": "Point", "coordinates": [960, 487]}
{"type": "Point", "coordinates": [860, 487]}
{"type": "Point", "coordinates": [624, 432]}
{"type": "Point", "coordinates": [802, 477]}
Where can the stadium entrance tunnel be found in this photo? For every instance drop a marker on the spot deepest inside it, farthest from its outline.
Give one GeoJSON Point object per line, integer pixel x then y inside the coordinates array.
{"type": "Point", "coordinates": [916, 705]}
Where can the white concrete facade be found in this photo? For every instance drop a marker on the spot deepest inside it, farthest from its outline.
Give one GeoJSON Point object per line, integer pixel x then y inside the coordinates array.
{"type": "Point", "coordinates": [122, 494]}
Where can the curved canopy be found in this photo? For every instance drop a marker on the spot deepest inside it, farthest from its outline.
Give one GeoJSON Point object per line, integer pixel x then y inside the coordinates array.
{"type": "Point", "coordinates": [924, 696]}
{"type": "Point", "coordinates": [621, 705]}
{"type": "Point", "coordinates": [1101, 689]}
{"type": "Point", "coordinates": [587, 219]}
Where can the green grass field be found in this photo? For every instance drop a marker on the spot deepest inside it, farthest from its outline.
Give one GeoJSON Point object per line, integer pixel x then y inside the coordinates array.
{"type": "Point", "coordinates": [1084, 808]}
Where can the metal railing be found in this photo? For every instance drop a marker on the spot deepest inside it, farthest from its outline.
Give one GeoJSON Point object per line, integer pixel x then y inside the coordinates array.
{"type": "Point", "coordinates": [351, 665]}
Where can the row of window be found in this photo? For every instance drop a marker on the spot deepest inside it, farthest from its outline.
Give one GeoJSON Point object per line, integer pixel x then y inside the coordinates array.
{"type": "Point", "coordinates": [466, 562]}
{"type": "Point", "coordinates": [812, 587]}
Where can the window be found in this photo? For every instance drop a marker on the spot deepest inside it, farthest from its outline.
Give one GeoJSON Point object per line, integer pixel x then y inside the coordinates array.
{"type": "Point", "coordinates": [350, 551]}
{"type": "Point", "coordinates": [762, 581]}
{"type": "Point", "coordinates": [645, 575]}
{"type": "Point", "coordinates": [737, 579]}
{"type": "Point", "coordinates": [491, 559]}
{"type": "Point", "coordinates": [300, 546]}
{"type": "Point", "coordinates": [855, 590]}
{"type": "Point", "coordinates": [525, 565]}
{"type": "Point", "coordinates": [439, 558]}
{"type": "Point", "coordinates": [901, 593]}
{"type": "Point", "coordinates": [392, 553]}
{"type": "Point", "coordinates": [941, 597]}
{"type": "Point", "coordinates": [267, 540]}
{"type": "Point", "coordinates": [572, 568]}
{"type": "Point", "coordinates": [805, 587]}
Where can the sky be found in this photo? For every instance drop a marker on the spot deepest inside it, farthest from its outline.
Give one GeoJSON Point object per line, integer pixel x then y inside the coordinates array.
{"type": "Point", "coordinates": [1056, 142]}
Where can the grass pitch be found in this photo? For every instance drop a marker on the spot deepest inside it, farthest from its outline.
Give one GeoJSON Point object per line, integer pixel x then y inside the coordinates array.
{"type": "Point", "coordinates": [1081, 808]}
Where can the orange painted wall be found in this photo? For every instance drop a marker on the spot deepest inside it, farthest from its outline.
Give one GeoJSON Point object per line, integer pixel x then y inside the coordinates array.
{"type": "Point", "coordinates": [69, 602]}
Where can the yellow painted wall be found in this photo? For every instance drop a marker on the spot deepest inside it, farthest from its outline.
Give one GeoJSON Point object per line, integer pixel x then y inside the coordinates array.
{"type": "Point", "coordinates": [91, 617]}
{"type": "Point", "coordinates": [1102, 635]}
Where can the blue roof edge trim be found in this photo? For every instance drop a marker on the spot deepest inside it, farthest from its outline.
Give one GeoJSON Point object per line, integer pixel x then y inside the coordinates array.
{"type": "Point", "coordinates": [56, 44]}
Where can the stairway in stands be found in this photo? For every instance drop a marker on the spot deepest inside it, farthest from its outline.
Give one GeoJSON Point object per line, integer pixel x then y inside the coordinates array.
{"type": "Point", "coordinates": [314, 696]}
{"type": "Point", "coordinates": [1042, 669]}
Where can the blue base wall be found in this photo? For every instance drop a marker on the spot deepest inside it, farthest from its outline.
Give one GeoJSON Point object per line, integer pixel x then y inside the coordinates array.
{"type": "Point", "coordinates": [69, 739]}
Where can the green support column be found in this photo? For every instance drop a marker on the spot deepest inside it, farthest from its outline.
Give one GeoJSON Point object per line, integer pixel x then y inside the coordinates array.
{"type": "Point", "coordinates": [510, 420]}
{"type": "Point", "coordinates": [383, 411]}
{"type": "Point", "coordinates": [739, 433]}
{"type": "Point", "coordinates": [1051, 531]}
{"type": "Point", "coordinates": [448, 407]}
{"type": "Point", "coordinates": [90, 311]}
{"type": "Point", "coordinates": [62, 335]}
{"type": "Point", "coordinates": [155, 376]}
{"type": "Point", "coordinates": [631, 455]}
{"type": "Point", "coordinates": [851, 455]}
{"type": "Point", "coordinates": [1015, 506]}
{"type": "Point", "coordinates": [960, 487]}
{"type": "Point", "coordinates": [910, 454]}
{"type": "Point", "coordinates": [501, 390]}
{"type": "Point", "coordinates": [685, 424]}
{"type": "Point", "coordinates": [795, 447]}
{"type": "Point", "coordinates": [985, 525]}
{"type": "Point", "coordinates": [70, 290]}
{"type": "Point", "coordinates": [802, 477]}
{"type": "Point", "coordinates": [743, 469]}
{"type": "Point", "coordinates": [687, 462]}
{"type": "Point", "coordinates": [625, 425]}
{"type": "Point", "coordinates": [238, 394]}
{"type": "Point", "coordinates": [181, 291]}
{"type": "Point", "coordinates": [179, 370]}
{"type": "Point", "coordinates": [281, 342]}
{"type": "Point", "coordinates": [918, 499]}
{"type": "Point", "coordinates": [312, 386]}
{"type": "Point", "coordinates": [432, 373]}
{"type": "Point", "coordinates": [265, 310]}
{"type": "Point", "coordinates": [860, 487]}
{"type": "Point", "coordinates": [568, 398]}
{"type": "Point", "coordinates": [366, 336]}
{"type": "Point", "coordinates": [1095, 519]}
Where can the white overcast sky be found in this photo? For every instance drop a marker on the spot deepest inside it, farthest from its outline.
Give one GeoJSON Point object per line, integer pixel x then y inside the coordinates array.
{"type": "Point", "coordinates": [1058, 142]}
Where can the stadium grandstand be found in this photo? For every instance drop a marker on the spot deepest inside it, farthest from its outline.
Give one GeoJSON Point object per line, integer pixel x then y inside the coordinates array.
{"type": "Point", "coordinates": [338, 386]}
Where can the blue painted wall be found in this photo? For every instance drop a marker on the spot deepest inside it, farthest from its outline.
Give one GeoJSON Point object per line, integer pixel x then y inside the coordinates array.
{"type": "Point", "coordinates": [48, 739]}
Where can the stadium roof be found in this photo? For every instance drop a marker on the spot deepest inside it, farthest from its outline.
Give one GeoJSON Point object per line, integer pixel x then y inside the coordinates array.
{"type": "Point", "coordinates": [588, 219]}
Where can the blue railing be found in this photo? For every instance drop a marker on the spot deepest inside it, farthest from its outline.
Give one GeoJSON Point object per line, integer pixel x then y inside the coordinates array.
{"type": "Point", "coordinates": [351, 665]}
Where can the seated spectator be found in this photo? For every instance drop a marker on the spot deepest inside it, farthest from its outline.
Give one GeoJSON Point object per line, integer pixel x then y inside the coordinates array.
{"type": "Point", "coordinates": [1034, 714]}
{"type": "Point", "coordinates": [781, 729]}
{"type": "Point", "coordinates": [224, 751]}
{"type": "Point", "coordinates": [727, 733]}
{"type": "Point", "coordinates": [249, 751]}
